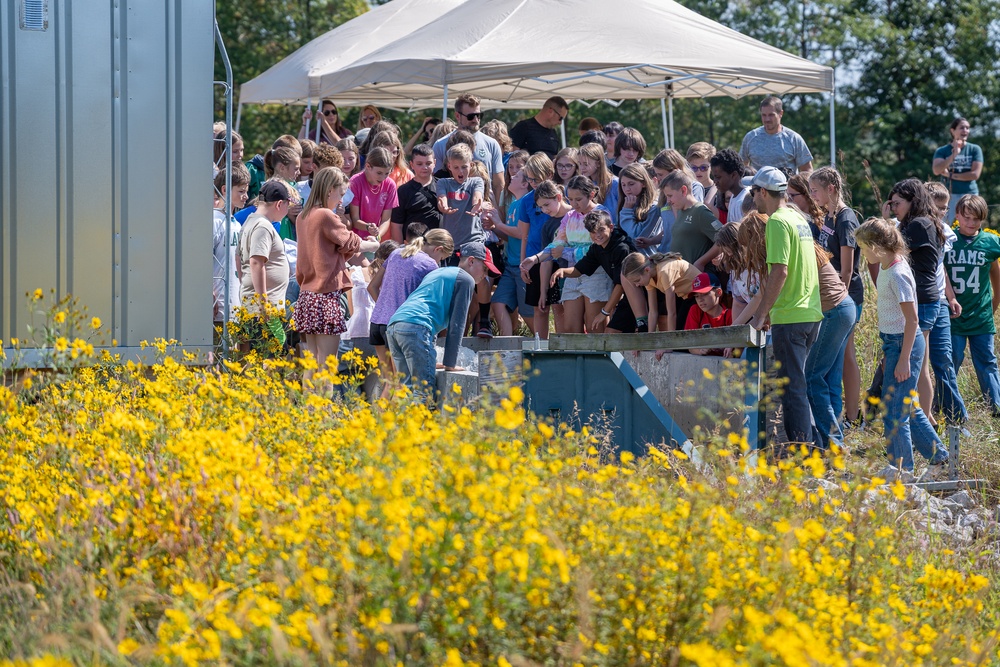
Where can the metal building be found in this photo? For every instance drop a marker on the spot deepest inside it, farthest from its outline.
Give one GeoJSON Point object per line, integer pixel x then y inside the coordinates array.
{"type": "Point", "coordinates": [105, 164]}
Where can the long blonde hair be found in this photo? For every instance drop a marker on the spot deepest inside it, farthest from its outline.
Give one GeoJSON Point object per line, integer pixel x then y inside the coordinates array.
{"type": "Point", "coordinates": [636, 262]}
{"type": "Point", "coordinates": [324, 180]}
{"type": "Point", "coordinates": [435, 238]}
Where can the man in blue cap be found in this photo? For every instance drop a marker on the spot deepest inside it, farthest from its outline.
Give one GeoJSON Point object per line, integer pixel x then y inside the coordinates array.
{"type": "Point", "coordinates": [441, 302]}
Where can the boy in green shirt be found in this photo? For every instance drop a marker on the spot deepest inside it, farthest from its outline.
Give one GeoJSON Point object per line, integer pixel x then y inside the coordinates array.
{"type": "Point", "coordinates": [975, 276]}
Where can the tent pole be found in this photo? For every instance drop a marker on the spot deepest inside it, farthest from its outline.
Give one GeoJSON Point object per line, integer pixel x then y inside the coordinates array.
{"type": "Point", "coordinates": [833, 125]}
{"type": "Point", "coordinates": [670, 112]}
{"type": "Point", "coordinates": [239, 114]}
{"type": "Point", "coordinates": [562, 131]}
{"type": "Point", "coordinates": [444, 106]}
{"type": "Point", "coordinates": [663, 115]}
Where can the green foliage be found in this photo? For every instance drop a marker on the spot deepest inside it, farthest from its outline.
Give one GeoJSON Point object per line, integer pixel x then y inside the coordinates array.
{"type": "Point", "coordinates": [258, 34]}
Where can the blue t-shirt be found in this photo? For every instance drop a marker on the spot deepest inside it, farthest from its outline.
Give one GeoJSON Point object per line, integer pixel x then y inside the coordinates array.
{"type": "Point", "coordinates": [513, 247]}
{"type": "Point", "coordinates": [529, 212]}
{"type": "Point", "coordinates": [441, 302]}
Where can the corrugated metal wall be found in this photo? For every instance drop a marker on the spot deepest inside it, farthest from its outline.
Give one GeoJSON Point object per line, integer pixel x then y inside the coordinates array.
{"type": "Point", "coordinates": [105, 164]}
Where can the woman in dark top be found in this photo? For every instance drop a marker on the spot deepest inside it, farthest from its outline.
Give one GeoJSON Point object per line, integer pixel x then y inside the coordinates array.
{"type": "Point", "coordinates": [835, 233]}
{"type": "Point", "coordinates": [914, 209]}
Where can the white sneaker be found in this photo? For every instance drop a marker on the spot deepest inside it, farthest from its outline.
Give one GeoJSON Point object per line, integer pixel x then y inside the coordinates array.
{"type": "Point", "coordinates": [891, 473]}
{"type": "Point", "coordinates": [935, 472]}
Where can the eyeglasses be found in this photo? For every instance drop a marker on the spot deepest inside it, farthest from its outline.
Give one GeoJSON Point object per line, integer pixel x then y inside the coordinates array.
{"type": "Point", "coordinates": [793, 195]}
{"type": "Point", "coordinates": [472, 116]}
{"type": "Point", "coordinates": [561, 116]}
{"type": "Point", "coordinates": [531, 181]}
{"type": "Point", "coordinates": [367, 118]}
{"type": "Point", "coordinates": [702, 168]}
{"type": "Point", "coordinates": [330, 112]}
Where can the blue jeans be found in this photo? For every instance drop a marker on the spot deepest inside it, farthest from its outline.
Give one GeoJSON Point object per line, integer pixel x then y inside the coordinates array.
{"type": "Point", "coordinates": [825, 371]}
{"type": "Point", "coordinates": [936, 318]}
{"type": "Point", "coordinates": [906, 425]}
{"type": "Point", "coordinates": [791, 343]}
{"type": "Point", "coordinates": [984, 360]}
{"type": "Point", "coordinates": [412, 349]}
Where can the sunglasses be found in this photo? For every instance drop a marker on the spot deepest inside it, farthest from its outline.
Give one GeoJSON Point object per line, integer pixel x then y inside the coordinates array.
{"type": "Point", "coordinates": [472, 116]}
{"type": "Point", "coordinates": [330, 112]}
{"type": "Point", "coordinates": [703, 167]}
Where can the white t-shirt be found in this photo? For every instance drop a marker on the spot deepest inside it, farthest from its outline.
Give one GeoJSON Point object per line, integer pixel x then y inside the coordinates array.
{"type": "Point", "coordinates": [219, 264]}
{"type": "Point", "coordinates": [895, 286]}
{"type": "Point", "coordinates": [735, 211]}
{"type": "Point", "coordinates": [360, 321]}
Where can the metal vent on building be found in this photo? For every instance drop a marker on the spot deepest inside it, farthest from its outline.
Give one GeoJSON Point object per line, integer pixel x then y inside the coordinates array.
{"type": "Point", "coordinates": [34, 14]}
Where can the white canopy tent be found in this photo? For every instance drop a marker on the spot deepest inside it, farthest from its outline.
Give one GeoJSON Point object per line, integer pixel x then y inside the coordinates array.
{"type": "Point", "coordinates": [300, 77]}
{"type": "Point", "coordinates": [518, 53]}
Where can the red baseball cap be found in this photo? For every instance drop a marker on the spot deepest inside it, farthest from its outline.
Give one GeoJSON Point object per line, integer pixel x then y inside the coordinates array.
{"type": "Point", "coordinates": [704, 283]}
{"type": "Point", "coordinates": [479, 251]}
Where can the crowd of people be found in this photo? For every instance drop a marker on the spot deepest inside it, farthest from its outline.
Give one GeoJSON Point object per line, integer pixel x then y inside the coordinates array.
{"type": "Point", "coordinates": [471, 227]}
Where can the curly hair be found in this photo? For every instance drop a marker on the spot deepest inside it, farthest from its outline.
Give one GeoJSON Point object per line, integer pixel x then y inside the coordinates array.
{"type": "Point", "coordinates": [729, 161]}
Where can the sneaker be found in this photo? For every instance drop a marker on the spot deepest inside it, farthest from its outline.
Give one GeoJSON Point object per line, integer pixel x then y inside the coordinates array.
{"type": "Point", "coordinates": [936, 472]}
{"type": "Point", "coordinates": [485, 331]}
{"type": "Point", "coordinates": [891, 473]}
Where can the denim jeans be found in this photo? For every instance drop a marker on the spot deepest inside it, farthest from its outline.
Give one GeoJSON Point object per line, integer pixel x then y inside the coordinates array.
{"type": "Point", "coordinates": [905, 423]}
{"type": "Point", "coordinates": [825, 371]}
{"type": "Point", "coordinates": [936, 318]}
{"type": "Point", "coordinates": [791, 343]}
{"type": "Point", "coordinates": [984, 360]}
{"type": "Point", "coordinates": [412, 349]}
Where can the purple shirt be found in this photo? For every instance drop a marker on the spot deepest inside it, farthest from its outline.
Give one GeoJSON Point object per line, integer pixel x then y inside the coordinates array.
{"type": "Point", "coordinates": [402, 276]}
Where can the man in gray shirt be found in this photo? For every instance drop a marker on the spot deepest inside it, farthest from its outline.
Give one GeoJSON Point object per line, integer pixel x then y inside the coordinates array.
{"type": "Point", "coordinates": [774, 145]}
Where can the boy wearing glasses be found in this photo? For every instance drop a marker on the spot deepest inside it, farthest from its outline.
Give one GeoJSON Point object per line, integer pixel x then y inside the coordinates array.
{"type": "Point", "coordinates": [468, 115]}
{"type": "Point", "coordinates": [538, 133]}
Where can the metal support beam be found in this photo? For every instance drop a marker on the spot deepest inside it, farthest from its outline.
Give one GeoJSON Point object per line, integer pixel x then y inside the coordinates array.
{"type": "Point", "coordinates": [833, 124]}
{"type": "Point", "coordinates": [228, 199]}
{"type": "Point", "coordinates": [720, 337]}
{"type": "Point", "coordinates": [663, 116]}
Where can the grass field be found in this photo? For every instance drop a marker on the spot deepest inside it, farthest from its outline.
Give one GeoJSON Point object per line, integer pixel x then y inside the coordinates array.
{"type": "Point", "coordinates": [980, 454]}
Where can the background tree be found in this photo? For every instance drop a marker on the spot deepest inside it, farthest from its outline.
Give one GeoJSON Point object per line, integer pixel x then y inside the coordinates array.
{"type": "Point", "coordinates": [905, 70]}
{"type": "Point", "coordinates": [258, 34]}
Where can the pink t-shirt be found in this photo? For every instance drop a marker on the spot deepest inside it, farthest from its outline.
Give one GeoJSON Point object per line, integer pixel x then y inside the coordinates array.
{"type": "Point", "coordinates": [372, 204]}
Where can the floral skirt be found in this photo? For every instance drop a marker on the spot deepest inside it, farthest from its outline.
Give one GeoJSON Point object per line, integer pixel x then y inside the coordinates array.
{"type": "Point", "coordinates": [319, 314]}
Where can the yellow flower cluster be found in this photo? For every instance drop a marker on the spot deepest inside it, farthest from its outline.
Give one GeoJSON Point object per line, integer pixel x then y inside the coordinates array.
{"type": "Point", "coordinates": [175, 515]}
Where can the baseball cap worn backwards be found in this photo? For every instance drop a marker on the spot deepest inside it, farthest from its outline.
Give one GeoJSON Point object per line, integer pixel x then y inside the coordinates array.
{"type": "Point", "coordinates": [272, 192]}
{"type": "Point", "coordinates": [479, 251]}
{"type": "Point", "coordinates": [769, 178]}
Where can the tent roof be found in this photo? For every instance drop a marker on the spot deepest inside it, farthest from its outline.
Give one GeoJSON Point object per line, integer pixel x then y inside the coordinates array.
{"type": "Point", "coordinates": [517, 53]}
{"type": "Point", "coordinates": [297, 78]}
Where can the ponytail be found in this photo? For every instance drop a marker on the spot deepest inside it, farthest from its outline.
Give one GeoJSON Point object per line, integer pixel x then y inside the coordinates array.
{"type": "Point", "coordinates": [435, 238]}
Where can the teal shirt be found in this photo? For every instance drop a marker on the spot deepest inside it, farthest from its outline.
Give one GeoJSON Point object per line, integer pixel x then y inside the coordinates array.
{"type": "Point", "coordinates": [960, 165]}
{"type": "Point", "coordinates": [441, 302]}
{"type": "Point", "coordinates": [968, 266]}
